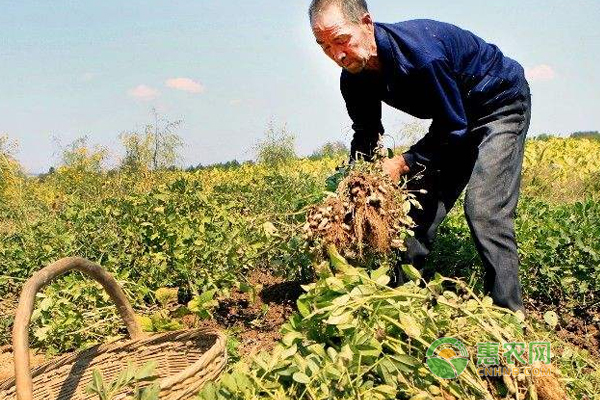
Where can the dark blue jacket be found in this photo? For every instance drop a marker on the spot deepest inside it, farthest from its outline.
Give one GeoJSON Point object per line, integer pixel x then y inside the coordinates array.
{"type": "Point", "coordinates": [431, 70]}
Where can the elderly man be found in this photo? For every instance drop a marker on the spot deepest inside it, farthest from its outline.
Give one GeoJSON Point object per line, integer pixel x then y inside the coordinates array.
{"type": "Point", "coordinates": [479, 102]}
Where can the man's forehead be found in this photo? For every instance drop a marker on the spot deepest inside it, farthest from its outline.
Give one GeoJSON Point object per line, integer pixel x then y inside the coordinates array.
{"type": "Point", "coordinates": [329, 18]}
{"type": "Point", "coordinates": [329, 32]}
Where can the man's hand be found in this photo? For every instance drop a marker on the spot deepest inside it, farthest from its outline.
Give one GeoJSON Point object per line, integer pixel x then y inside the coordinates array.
{"type": "Point", "coordinates": [395, 167]}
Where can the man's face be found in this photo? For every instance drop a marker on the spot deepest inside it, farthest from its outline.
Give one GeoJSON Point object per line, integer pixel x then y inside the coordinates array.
{"type": "Point", "coordinates": [349, 44]}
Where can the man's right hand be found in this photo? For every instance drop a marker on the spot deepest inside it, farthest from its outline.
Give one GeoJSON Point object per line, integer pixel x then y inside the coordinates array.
{"type": "Point", "coordinates": [395, 167]}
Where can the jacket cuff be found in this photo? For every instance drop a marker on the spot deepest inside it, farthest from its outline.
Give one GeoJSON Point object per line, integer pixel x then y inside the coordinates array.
{"type": "Point", "coordinates": [409, 159]}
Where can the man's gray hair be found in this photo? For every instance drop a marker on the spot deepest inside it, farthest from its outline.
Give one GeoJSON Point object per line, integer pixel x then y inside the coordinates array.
{"type": "Point", "coordinates": [353, 10]}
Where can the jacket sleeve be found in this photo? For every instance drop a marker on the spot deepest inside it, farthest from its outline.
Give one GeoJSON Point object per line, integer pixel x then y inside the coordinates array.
{"type": "Point", "coordinates": [364, 108]}
{"type": "Point", "coordinates": [449, 125]}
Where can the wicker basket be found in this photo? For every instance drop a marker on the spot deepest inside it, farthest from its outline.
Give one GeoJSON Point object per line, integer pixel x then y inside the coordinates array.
{"type": "Point", "coordinates": [185, 360]}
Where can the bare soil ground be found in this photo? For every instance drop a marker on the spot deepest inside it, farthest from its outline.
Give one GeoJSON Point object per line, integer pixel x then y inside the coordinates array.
{"type": "Point", "coordinates": [255, 322]}
{"type": "Point", "coordinates": [582, 331]}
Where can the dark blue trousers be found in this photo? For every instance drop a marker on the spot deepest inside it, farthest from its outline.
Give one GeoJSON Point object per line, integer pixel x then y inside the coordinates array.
{"type": "Point", "coordinates": [489, 166]}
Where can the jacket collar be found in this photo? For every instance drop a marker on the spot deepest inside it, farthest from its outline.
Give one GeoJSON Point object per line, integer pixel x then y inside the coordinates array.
{"type": "Point", "coordinates": [388, 52]}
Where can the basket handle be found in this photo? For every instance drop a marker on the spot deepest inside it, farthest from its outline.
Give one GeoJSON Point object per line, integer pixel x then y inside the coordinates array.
{"type": "Point", "coordinates": [24, 384]}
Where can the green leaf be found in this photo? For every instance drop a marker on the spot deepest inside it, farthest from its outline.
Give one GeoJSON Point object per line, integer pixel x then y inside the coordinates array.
{"type": "Point", "coordinates": [379, 272]}
{"type": "Point", "coordinates": [410, 326]}
{"type": "Point", "coordinates": [332, 353]}
{"type": "Point", "coordinates": [387, 390]}
{"type": "Point", "coordinates": [245, 288]}
{"type": "Point", "coordinates": [338, 262]}
{"type": "Point", "coordinates": [290, 337]}
{"type": "Point", "coordinates": [206, 296]}
{"type": "Point", "coordinates": [323, 269]}
{"type": "Point", "coordinates": [421, 396]}
{"type": "Point", "coordinates": [229, 382]}
{"type": "Point", "coordinates": [332, 182]}
{"type": "Point", "coordinates": [46, 304]}
{"type": "Point", "coordinates": [318, 349]}
{"type": "Point", "coordinates": [301, 377]}
{"type": "Point", "coordinates": [269, 228]}
{"type": "Point", "coordinates": [97, 385]}
{"type": "Point", "coordinates": [303, 307]}
{"type": "Point", "coordinates": [369, 350]}
{"type": "Point", "coordinates": [289, 352]}
{"type": "Point", "coordinates": [551, 319]}
{"type": "Point", "coordinates": [145, 323]}
{"type": "Point", "coordinates": [150, 392]}
{"type": "Point", "coordinates": [166, 295]}
{"type": "Point", "coordinates": [383, 280]}
{"type": "Point", "coordinates": [123, 378]}
{"type": "Point", "coordinates": [41, 333]}
{"type": "Point", "coordinates": [342, 319]}
{"type": "Point", "coordinates": [407, 360]}
{"type": "Point", "coordinates": [146, 372]}
{"type": "Point", "coordinates": [411, 272]}
{"type": "Point", "coordinates": [332, 372]}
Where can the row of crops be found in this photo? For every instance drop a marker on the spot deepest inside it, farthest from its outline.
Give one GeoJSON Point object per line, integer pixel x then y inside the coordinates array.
{"type": "Point", "coordinates": [200, 233]}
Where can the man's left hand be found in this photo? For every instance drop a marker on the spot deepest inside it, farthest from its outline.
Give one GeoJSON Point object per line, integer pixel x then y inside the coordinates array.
{"type": "Point", "coordinates": [395, 167]}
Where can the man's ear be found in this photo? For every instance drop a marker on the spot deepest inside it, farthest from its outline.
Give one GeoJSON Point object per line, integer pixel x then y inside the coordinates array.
{"type": "Point", "coordinates": [366, 19]}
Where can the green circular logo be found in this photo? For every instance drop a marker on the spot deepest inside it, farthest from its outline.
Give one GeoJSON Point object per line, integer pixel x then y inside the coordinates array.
{"type": "Point", "coordinates": [447, 358]}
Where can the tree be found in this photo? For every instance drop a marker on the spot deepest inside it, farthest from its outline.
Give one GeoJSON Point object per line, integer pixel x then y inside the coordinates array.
{"type": "Point", "coordinates": [586, 134]}
{"type": "Point", "coordinates": [81, 157]}
{"type": "Point", "coordinates": [10, 169]}
{"type": "Point", "coordinates": [543, 136]}
{"type": "Point", "coordinates": [331, 149]}
{"type": "Point", "coordinates": [156, 148]}
{"type": "Point", "coordinates": [277, 146]}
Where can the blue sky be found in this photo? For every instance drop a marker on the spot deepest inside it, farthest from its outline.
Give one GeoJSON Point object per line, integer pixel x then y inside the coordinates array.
{"type": "Point", "coordinates": [226, 68]}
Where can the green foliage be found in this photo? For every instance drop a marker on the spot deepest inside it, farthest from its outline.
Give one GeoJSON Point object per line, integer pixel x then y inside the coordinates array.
{"type": "Point", "coordinates": [194, 231]}
{"type": "Point", "coordinates": [543, 137]}
{"type": "Point", "coordinates": [200, 233]}
{"type": "Point", "coordinates": [277, 147]}
{"type": "Point", "coordinates": [129, 381]}
{"type": "Point", "coordinates": [222, 165]}
{"type": "Point", "coordinates": [6, 322]}
{"type": "Point", "coordinates": [558, 250]}
{"type": "Point", "coordinates": [156, 148]}
{"type": "Point", "coordinates": [159, 321]}
{"type": "Point", "coordinates": [331, 149]}
{"type": "Point", "coordinates": [354, 337]}
{"type": "Point", "coordinates": [560, 253]}
{"type": "Point", "coordinates": [203, 304]}
{"type": "Point", "coordinates": [586, 134]}
{"type": "Point", "coordinates": [333, 181]}
{"type": "Point", "coordinates": [79, 157]}
{"type": "Point", "coordinates": [561, 170]}
{"type": "Point", "coordinates": [10, 170]}
{"type": "Point", "coordinates": [166, 296]}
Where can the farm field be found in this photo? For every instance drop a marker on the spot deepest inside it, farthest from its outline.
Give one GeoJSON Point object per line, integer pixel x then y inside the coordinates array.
{"type": "Point", "coordinates": [223, 247]}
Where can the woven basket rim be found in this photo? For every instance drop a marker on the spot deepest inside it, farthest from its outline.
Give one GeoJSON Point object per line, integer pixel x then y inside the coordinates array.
{"type": "Point", "coordinates": [218, 346]}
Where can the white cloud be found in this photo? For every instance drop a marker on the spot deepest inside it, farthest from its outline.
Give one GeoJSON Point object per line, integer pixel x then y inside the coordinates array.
{"type": "Point", "coordinates": [185, 84]}
{"type": "Point", "coordinates": [235, 102]}
{"type": "Point", "coordinates": [143, 92]}
{"type": "Point", "coordinates": [540, 73]}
